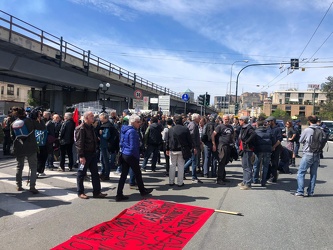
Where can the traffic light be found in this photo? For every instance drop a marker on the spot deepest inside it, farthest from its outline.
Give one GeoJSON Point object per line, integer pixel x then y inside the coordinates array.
{"type": "Point", "coordinates": [207, 100]}
{"type": "Point", "coordinates": [201, 99]}
{"type": "Point", "coordinates": [294, 63]}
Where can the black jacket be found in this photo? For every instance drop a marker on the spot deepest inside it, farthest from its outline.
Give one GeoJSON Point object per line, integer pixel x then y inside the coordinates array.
{"type": "Point", "coordinates": [66, 134]}
{"type": "Point", "coordinates": [177, 137]}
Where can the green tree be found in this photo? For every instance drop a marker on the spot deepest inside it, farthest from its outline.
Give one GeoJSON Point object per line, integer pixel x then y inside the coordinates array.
{"type": "Point", "coordinates": [31, 101]}
{"type": "Point", "coordinates": [326, 111]}
{"type": "Point", "coordinates": [280, 114]}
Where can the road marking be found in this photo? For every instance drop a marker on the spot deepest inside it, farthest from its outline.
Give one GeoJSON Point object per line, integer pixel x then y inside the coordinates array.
{"type": "Point", "coordinates": [18, 207]}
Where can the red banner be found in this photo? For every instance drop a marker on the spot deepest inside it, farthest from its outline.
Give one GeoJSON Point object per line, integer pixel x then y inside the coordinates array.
{"type": "Point", "coordinates": [149, 224]}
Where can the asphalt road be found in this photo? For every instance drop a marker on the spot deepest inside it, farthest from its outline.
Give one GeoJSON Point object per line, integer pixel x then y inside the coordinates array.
{"type": "Point", "coordinates": [273, 218]}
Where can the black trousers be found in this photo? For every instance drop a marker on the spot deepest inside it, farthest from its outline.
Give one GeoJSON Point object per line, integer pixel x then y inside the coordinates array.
{"type": "Point", "coordinates": [66, 149]}
{"type": "Point", "coordinates": [129, 161]}
{"type": "Point", "coordinates": [41, 159]}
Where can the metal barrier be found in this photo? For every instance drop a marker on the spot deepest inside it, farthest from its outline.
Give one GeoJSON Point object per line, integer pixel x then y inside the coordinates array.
{"type": "Point", "coordinates": [67, 52]}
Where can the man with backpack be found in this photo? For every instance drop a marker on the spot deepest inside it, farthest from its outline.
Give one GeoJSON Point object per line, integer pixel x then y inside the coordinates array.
{"type": "Point", "coordinates": [211, 157]}
{"type": "Point", "coordinates": [153, 141]}
{"type": "Point", "coordinates": [25, 145]}
{"type": "Point", "coordinates": [313, 140]}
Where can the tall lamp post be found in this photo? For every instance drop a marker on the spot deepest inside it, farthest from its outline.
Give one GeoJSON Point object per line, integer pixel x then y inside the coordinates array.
{"type": "Point", "coordinates": [256, 64]}
{"type": "Point", "coordinates": [104, 87]}
{"type": "Point", "coordinates": [246, 61]}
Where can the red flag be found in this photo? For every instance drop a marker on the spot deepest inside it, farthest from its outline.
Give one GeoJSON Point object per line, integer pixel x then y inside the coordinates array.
{"type": "Point", "coordinates": [76, 117]}
{"type": "Point", "coordinates": [149, 224]}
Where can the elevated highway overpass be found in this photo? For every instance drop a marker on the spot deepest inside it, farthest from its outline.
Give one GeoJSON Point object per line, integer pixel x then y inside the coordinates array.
{"type": "Point", "coordinates": [67, 74]}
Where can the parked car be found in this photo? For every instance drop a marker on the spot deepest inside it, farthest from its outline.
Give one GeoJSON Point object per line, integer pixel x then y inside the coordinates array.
{"type": "Point", "coordinates": [282, 126]}
{"type": "Point", "coordinates": [329, 125]}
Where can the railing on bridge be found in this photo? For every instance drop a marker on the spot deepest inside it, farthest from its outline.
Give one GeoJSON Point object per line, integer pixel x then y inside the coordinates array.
{"type": "Point", "coordinates": [63, 49]}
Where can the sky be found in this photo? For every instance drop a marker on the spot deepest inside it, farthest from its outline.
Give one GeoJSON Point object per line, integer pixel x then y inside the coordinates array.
{"type": "Point", "coordinates": [201, 45]}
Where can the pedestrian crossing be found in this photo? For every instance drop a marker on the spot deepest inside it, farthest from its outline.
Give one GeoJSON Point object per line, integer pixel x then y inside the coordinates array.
{"type": "Point", "coordinates": [55, 188]}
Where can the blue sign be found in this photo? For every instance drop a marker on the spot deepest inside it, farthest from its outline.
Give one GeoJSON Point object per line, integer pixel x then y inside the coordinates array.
{"type": "Point", "coordinates": [185, 97]}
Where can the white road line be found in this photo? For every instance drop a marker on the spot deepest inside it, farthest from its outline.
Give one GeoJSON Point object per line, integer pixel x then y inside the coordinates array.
{"type": "Point", "coordinates": [45, 189]}
{"type": "Point", "coordinates": [18, 207]}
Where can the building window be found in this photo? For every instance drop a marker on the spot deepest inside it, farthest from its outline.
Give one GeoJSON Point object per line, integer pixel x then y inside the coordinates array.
{"type": "Point", "coordinates": [286, 101]}
{"type": "Point", "coordinates": [288, 108]}
{"type": "Point", "coordinates": [316, 95]}
{"type": "Point", "coordinates": [280, 101]}
{"type": "Point", "coordinates": [274, 106]}
{"type": "Point", "coordinates": [2, 90]}
{"type": "Point", "coordinates": [300, 101]}
{"type": "Point", "coordinates": [18, 91]}
{"type": "Point", "coordinates": [300, 95]}
{"type": "Point", "coordinates": [302, 108]}
{"type": "Point", "coordinates": [10, 89]}
{"type": "Point", "coordinates": [287, 95]}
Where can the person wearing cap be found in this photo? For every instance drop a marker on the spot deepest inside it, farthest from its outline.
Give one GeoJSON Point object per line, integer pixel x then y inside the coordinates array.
{"type": "Point", "coordinates": [126, 115]}
{"type": "Point", "coordinates": [246, 140]}
{"type": "Point", "coordinates": [277, 139]}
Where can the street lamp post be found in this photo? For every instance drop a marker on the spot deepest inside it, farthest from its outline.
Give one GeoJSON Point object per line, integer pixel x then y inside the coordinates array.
{"type": "Point", "coordinates": [246, 61]}
{"type": "Point", "coordinates": [104, 87]}
{"type": "Point", "coordinates": [256, 64]}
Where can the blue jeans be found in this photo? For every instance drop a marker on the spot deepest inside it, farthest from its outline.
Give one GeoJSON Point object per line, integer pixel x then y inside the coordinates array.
{"type": "Point", "coordinates": [112, 160]}
{"type": "Point", "coordinates": [192, 161]}
{"type": "Point", "coordinates": [132, 181]}
{"type": "Point", "coordinates": [263, 159]}
{"type": "Point", "coordinates": [247, 167]}
{"type": "Point", "coordinates": [151, 149]}
{"type": "Point", "coordinates": [296, 148]}
{"type": "Point", "coordinates": [211, 159]}
{"type": "Point", "coordinates": [309, 160]}
{"type": "Point", "coordinates": [105, 160]}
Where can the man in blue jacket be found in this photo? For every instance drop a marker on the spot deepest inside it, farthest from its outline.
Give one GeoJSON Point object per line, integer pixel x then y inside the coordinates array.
{"type": "Point", "coordinates": [130, 157]}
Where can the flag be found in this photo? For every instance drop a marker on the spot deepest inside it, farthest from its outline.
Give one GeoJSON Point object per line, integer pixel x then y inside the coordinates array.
{"type": "Point", "coordinates": [76, 117]}
{"type": "Point", "coordinates": [149, 224]}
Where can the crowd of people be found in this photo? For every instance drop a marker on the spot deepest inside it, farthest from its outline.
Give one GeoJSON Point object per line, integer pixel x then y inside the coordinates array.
{"type": "Point", "coordinates": [199, 145]}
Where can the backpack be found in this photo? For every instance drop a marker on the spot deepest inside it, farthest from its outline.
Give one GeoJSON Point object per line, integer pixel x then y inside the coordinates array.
{"type": "Point", "coordinates": [208, 131]}
{"type": "Point", "coordinates": [319, 140]}
{"type": "Point", "coordinates": [20, 129]}
{"type": "Point", "coordinates": [41, 137]}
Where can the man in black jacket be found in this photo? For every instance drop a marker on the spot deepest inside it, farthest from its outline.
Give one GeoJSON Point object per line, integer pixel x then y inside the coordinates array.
{"type": "Point", "coordinates": [224, 134]}
{"type": "Point", "coordinates": [246, 140]}
{"type": "Point", "coordinates": [66, 140]}
{"type": "Point", "coordinates": [86, 146]}
{"type": "Point", "coordinates": [177, 137]}
{"type": "Point", "coordinates": [153, 141]}
{"type": "Point", "coordinates": [276, 149]}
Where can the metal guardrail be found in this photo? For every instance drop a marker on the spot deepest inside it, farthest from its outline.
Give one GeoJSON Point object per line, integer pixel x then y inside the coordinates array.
{"type": "Point", "coordinates": [16, 25]}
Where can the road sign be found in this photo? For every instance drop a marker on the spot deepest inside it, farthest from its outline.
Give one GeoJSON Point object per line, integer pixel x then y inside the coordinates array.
{"type": "Point", "coordinates": [138, 94]}
{"type": "Point", "coordinates": [185, 97]}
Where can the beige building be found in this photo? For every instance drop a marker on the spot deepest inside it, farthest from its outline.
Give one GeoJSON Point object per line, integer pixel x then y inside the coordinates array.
{"type": "Point", "coordinates": [11, 92]}
{"type": "Point", "coordinates": [294, 102]}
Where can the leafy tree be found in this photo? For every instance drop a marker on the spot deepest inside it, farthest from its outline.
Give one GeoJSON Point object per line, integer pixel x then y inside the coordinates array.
{"type": "Point", "coordinates": [280, 114]}
{"type": "Point", "coordinates": [31, 101]}
{"type": "Point", "coordinates": [326, 111]}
